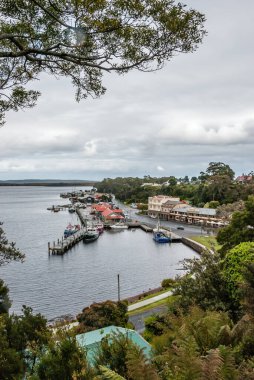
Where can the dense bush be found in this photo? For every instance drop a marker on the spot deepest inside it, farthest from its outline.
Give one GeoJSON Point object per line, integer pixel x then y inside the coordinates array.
{"type": "Point", "coordinates": [103, 314]}
{"type": "Point", "coordinates": [168, 283]}
{"type": "Point", "coordinates": [233, 265]}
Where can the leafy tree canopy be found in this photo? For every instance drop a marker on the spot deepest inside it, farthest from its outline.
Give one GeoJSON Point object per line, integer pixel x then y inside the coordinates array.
{"type": "Point", "coordinates": [83, 39]}
{"type": "Point", "coordinates": [103, 314]}
{"type": "Point", "coordinates": [205, 285]}
{"type": "Point", "coordinates": [240, 229]}
{"type": "Point", "coordinates": [5, 302]}
{"type": "Point", "coordinates": [221, 169]}
{"type": "Point", "coordinates": [22, 339]}
{"type": "Point", "coordinates": [233, 265]}
{"type": "Point", "coordinates": [8, 251]}
{"type": "Point", "coordinates": [122, 356]}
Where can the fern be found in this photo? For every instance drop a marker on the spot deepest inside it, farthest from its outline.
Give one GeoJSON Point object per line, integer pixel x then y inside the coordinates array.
{"type": "Point", "coordinates": [138, 366]}
{"type": "Point", "coordinates": [108, 374]}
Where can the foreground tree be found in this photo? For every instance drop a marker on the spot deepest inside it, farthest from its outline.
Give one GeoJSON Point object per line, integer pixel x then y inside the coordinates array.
{"type": "Point", "coordinates": [240, 229]}
{"type": "Point", "coordinates": [196, 346]}
{"type": "Point", "coordinates": [122, 356]}
{"type": "Point", "coordinates": [8, 251]}
{"type": "Point", "coordinates": [206, 286]}
{"type": "Point", "coordinates": [22, 340]}
{"type": "Point", "coordinates": [236, 259]}
{"type": "Point", "coordinates": [83, 39]}
{"type": "Point", "coordinates": [63, 360]}
{"type": "Point", "coordinates": [103, 314]}
{"type": "Point", "coordinates": [5, 302]}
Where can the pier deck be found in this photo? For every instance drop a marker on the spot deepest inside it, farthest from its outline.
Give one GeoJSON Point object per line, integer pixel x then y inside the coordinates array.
{"type": "Point", "coordinates": [63, 245]}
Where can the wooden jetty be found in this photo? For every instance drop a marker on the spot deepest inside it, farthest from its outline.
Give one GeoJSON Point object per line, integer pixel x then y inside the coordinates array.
{"type": "Point", "coordinates": [63, 245]}
{"type": "Point", "coordinates": [81, 217]}
{"type": "Point", "coordinates": [149, 228]}
{"type": "Point", "coordinates": [146, 228]}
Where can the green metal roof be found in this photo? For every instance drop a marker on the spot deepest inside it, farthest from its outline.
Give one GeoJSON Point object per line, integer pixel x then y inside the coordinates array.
{"type": "Point", "coordinates": [91, 340]}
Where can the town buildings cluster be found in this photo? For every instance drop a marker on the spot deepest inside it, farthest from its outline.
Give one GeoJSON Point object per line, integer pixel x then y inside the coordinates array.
{"type": "Point", "coordinates": [172, 208]}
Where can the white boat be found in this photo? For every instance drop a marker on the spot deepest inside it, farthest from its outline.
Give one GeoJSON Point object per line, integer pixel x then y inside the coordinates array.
{"type": "Point", "coordinates": [119, 226]}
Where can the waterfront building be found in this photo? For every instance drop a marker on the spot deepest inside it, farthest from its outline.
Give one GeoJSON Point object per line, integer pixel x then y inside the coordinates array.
{"type": "Point", "coordinates": [155, 203]}
{"type": "Point", "coordinates": [169, 208]}
{"type": "Point", "coordinates": [112, 215]}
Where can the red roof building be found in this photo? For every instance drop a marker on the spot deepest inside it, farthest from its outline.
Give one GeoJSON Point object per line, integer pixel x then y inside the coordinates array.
{"type": "Point", "coordinates": [112, 215]}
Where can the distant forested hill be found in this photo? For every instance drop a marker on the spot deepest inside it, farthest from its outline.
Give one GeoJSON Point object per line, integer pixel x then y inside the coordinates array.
{"type": "Point", "coordinates": [47, 182]}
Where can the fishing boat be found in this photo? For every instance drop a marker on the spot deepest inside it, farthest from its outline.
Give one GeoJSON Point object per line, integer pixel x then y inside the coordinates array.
{"type": "Point", "coordinates": [90, 235]}
{"type": "Point", "coordinates": [160, 235]}
{"type": "Point", "coordinates": [71, 230]}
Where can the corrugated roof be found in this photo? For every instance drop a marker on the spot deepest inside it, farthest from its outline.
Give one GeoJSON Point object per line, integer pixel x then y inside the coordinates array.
{"type": "Point", "coordinates": [197, 210]}
{"type": "Point", "coordinates": [91, 340]}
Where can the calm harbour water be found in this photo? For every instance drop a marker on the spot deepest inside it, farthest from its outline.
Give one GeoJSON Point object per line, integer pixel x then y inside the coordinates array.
{"type": "Point", "coordinates": [60, 285]}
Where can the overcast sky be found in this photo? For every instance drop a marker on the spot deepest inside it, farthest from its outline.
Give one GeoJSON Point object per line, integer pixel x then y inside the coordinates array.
{"type": "Point", "coordinates": [198, 109]}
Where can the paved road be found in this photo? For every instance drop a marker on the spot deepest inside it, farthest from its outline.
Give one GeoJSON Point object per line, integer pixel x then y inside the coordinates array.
{"type": "Point", "coordinates": [138, 320]}
{"type": "Point", "coordinates": [140, 304]}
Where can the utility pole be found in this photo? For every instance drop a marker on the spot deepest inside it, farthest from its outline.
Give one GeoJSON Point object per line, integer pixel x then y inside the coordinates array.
{"type": "Point", "coordinates": [118, 286]}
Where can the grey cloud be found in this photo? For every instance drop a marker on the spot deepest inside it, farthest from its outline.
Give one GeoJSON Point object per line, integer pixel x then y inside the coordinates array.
{"type": "Point", "coordinates": [198, 109]}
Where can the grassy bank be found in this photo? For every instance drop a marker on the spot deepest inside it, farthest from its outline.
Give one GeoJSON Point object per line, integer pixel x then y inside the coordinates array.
{"type": "Point", "coordinates": [208, 241]}
{"type": "Point", "coordinates": [165, 301]}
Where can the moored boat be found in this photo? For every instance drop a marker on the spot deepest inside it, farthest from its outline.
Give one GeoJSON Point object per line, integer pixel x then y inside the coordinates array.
{"type": "Point", "coordinates": [71, 230]}
{"type": "Point", "coordinates": [90, 235]}
{"type": "Point", "coordinates": [99, 227]}
{"type": "Point", "coordinates": [119, 225]}
{"type": "Point", "coordinates": [160, 237]}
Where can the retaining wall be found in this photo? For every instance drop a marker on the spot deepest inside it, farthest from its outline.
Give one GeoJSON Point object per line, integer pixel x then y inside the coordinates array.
{"type": "Point", "coordinates": [199, 248]}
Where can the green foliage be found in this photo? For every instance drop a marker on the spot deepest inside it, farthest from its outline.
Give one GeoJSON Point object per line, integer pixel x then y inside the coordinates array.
{"type": "Point", "coordinates": [113, 352]}
{"type": "Point", "coordinates": [205, 285]}
{"type": "Point", "coordinates": [103, 314]}
{"type": "Point", "coordinates": [63, 360]}
{"type": "Point", "coordinates": [219, 169]}
{"type": "Point", "coordinates": [22, 339]}
{"type": "Point", "coordinates": [240, 229]}
{"type": "Point", "coordinates": [155, 325]}
{"type": "Point", "coordinates": [122, 356]}
{"type": "Point", "coordinates": [5, 302]}
{"type": "Point", "coordinates": [218, 186]}
{"type": "Point", "coordinates": [11, 364]}
{"type": "Point", "coordinates": [247, 288]}
{"type": "Point", "coordinates": [220, 364]}
{"type": "Point", "coordinates": [196, 346]}
{"type": "Point", "coordinates": [168, 282]}
{"type": "Point", "coordinates": [214, 204]}
{"type": "Point", "coordinates": [233, 265]}
{"type": "Point", "coordinates": [83, 39]}
{"type": "Point", "coordinates": [205, 328]}
{"type": "Point", "coordinates": [108, 374]}
{"type": "Point", "coordinates": [8, 251]}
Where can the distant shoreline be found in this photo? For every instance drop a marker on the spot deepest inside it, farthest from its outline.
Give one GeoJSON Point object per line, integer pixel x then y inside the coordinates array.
{"type": "Point", "coordinates": [55, 184]}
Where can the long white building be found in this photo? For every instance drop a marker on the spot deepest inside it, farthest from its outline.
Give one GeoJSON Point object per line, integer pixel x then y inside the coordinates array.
{"type": "Point", "coordinates": [170, 208]}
